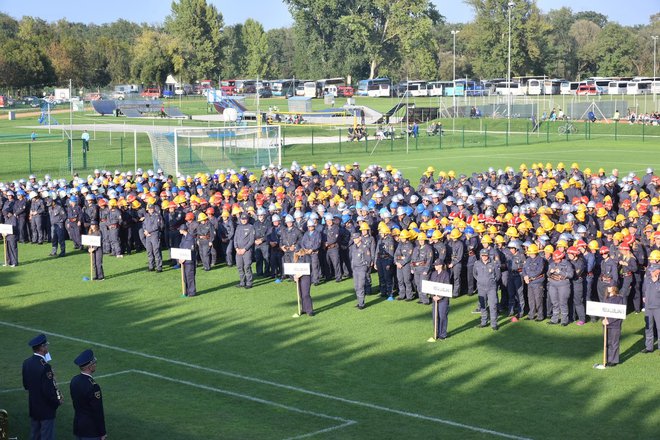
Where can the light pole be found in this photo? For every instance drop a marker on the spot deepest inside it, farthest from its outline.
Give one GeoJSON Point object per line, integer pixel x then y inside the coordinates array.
{"type": "Point", "coordinates": [508, 74]}
{"type": "Point", "coordinates": [453, 122]}
{"type": "Point", "coordinates": [654, 83]}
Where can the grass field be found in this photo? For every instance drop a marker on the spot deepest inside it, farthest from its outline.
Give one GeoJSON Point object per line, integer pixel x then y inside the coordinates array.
{"type": "Point", "coordinates": [234, 364]}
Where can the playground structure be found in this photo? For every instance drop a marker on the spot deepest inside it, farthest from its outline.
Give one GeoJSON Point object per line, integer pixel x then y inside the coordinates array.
{"type": "Point", "coordinates": [137, 108]}
{"type": "Point", "coordinates": [46, 118]}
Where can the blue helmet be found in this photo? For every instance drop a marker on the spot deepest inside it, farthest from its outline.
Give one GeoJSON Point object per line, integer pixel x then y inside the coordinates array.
{"type": "Point", "coordinates": [469, 230]}
{"type": "Point", "coordinates": [359, 205]}
{"type": "Point", "coordinates": [429, 233]}
{"type": "Point", "coordinates": [426, 213]}
{"type": "Point", "coordinates": [371, 204]}
{"type": "Point", "coordinates": [394, 205]}
{"type": "Point", "coordinates": [448, 229]}
{"type": "Point", "coordinates": [409, 210]}
{"type": "Point", "coordinates": [419, 209]}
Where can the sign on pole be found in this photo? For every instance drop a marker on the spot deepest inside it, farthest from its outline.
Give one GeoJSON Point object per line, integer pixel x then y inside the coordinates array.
{"type": "Point", "coordinates": [180, 254]}
{"type": "Point", "coordinates": [91, 240]}
{"type": "Point", "coordinates": [437, 289]}
{"type": "Point", "coordinates": [6, 229]}
{"type": "Point", "coordinates": [606, 310]}
{"type": "Point", "coordinates": [296, 269]}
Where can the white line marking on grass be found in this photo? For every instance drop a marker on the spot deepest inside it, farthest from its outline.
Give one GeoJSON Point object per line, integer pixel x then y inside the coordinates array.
{"type": "Point", "coordinates": [275, 384]}
{"type": "Point", "coordinates": [14, 390]}
{"type": "Point", "coordinates": [345, 422]}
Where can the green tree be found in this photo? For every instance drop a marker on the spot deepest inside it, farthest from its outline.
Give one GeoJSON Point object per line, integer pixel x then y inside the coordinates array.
{"type": "Point", "coordinates": [282, 46]}
{"type": "Point", "coordinates": [23, 64]}
{"type": "Point", "coordinates": [198, 27]}
{"type": "Point", "coordinates": [257, 53]}
{"type": "Point", "coordinates": [489, 35]}
{"type": "Point", "coordinates": [586, 34]}
{"type": "Point", "coordinates": [233, 52]}
{"type": "Point", "coordinates": [616, 51]}
{"type": "Point", "coordinates": [592, 16]}
{"type": "Point", "coordinates": [561, 49]}
{"type": "Point", "coordinates": [152, 60]}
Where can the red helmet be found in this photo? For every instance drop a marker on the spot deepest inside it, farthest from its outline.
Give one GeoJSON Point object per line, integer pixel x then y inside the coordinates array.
{"type": "Point", "coordinates": [580, 244]}
{"type": "Point", "coordinates": [573, 251]}
{"type": "Point", "coordinates": [210, 211]}
{"type": "Point", "coordinates": [190, 216]}
{"type": "Point", "coordinates": [624, 247]}
{"type": "Point", "coordinates": [557, 255]}
{"type": "Point", "coordinates": [604, 250]}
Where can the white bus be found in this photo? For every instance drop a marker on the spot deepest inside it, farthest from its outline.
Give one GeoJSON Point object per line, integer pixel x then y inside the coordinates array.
{"type": "Point", "coordinates": [412, 88]}
{"type": "Point", "coordinates": [434, 88]}
{"type": "Point", "coordinates": [309, 89]}
{"type": "Point", "coordinates": [639, 88]}
{"type": "Point", "coordinates": [617, 88]}
{"type": "Point", "coordinates": [509, 88]}
{"type": "Point", "coordinates": [377, 87]}
{"type": "Point", "coordinates": [536, 87]}
{"type": "Point", "coordinates": [551, 86]}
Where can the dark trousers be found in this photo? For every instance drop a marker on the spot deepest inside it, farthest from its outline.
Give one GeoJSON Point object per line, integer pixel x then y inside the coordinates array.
{"type": "Point", "coordinates": [262, 259]}
{"type": "Point", "coordinates": [613, 336]}
{"type": "Point", "coordinates": [189, 269]}
{"type": "Point", "coordinates": [304, 288]}
{"type": "Point", "coordinates": [360, 274]}
{"type": "Point", "coordinates": [652, 319]}
{"type": "Point", "coordinates": [275, 263]}
{"type": "Point", "coordinates": [441, 308]}
{"type": "Point", "coordinates": [113, 240]}
{"type": "Point", "coordinates": [332, 261]}
{"type": "Point", "coordinates": [73, 230]}
{"type": "Point", "coordinates": [97, 260]}
{"type": "Point", "coordinates": [385, 276]}
{"type": "Point", "coordinates": [57, 238]}
{"type": "Point", "coordinates": [488, 305]}
{"type": "Point", "coordinates": [578, 299]}
{"type": "Point", "coordinates": [535, 299]}
{"type": "Point", "coordinates": [244, 265]}
{"type": "Point", "coordinates": [405, 282]}
{"type": "Point", "coordinates": [205, 247]}
{"type": "Point", "coordinates": [36, 224]}
{"type": "Point", "coordinates": [154, 256]}
{"type": "Point", "coordinates": [22, 229]}
{"type": "Point", "coordinates": [516, 294]}
{"type": "Point", "coordinates": [456, 271]}
{"type": "Point", "coordinates": [42, 429]}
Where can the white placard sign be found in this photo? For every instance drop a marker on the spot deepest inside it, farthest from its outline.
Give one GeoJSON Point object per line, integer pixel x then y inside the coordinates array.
{"type": "Point", "coordinates": [6, 229]}
{"type": "Point", "coordinates": [617, 311]}
{"type": "Point", "coordinates": [180, 254]}
{"type": "Point", "coordinates": [91, 240]}
{"type": "Point", "coordinates": [296, 269]}
{"type": "Point", "coordinates": [437, 289]}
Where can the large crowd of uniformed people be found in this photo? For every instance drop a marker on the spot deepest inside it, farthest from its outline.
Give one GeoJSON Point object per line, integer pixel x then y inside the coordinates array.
{"type": "Point", "coordinates": [533, 243]}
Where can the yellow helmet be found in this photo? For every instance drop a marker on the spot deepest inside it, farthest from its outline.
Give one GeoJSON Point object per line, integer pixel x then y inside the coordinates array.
{"type": "Point", "coordinates": [364, 226]}
{"type": "Point", "coordinates": [512, 232]}
{"type": "Point", "coordinates": [608, 225]}
{"type": "Point", "coordinates": [501, 209]}
{"type": "Point", "coordinates": [437, 235]}
{"type": "Point", "coordinates": [412, 225]}
{"type": "Point", "coordinates": [486, 239]}
{"type": "Point", "coordinates": [455, 233]}
{"type": "Point", "coordinates": [575, 166]}
{"type": "Point", "coordinates": [430, 170]}
{"type": "Point", "coordinates": [655, 255]}
{"type": "Point", "coordinates": [165, 204]}
{"type": "Point", "coordinates": [633, 214]}
{"type": "Point", "coordinates": [112, 203]}
{"type": "Point", "coordinates": [499, 239]}
{"type": "Point", "coordinates": [451, 174]}
{"type": "Point", "coordinates": [548, 249]}
{"type": "Point", "coordinates": [618, 236]}
{"type": "Point", "coordinates": [403, 235]}
{"type": "Point", "coordinates": [593, 245]}
{"type": "Point", "coordinates": [533, 249]}
{"type": "Point", "coordinates": [201, 217]}
{"type": "Point", "coordinates": [562, 243]}
{"type": "Point", "coordinates": [480, 228]}
{"type": "Point", "coordinates": [421, 237]}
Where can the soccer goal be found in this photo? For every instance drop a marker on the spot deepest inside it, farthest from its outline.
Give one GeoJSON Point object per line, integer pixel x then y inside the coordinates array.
{"type": "Point", "coordinates": [193, 150]}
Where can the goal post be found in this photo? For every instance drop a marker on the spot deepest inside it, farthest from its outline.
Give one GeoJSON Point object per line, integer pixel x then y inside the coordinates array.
{"type": "Point", "coordinates": [189, 151]}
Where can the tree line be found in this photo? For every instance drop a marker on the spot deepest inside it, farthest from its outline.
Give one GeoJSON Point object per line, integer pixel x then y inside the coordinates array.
{"type": "Point", "coordinates": [329, 38]}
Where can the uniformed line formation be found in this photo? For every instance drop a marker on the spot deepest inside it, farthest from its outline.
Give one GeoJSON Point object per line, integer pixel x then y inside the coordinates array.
{"type": "Point", "coordinates": [538, 242]}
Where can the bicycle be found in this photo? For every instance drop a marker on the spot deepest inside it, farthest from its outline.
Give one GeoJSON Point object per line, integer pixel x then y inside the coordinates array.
{"type": "Point", "coordinates": [567, 128]}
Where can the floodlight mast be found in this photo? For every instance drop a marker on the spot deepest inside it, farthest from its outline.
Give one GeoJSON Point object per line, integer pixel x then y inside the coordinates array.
{"type": "Point", "coordinates": [508, 75]}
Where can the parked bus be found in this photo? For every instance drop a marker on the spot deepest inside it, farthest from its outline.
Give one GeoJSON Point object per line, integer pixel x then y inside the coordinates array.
{"type": "Point", "coordinates": [551, 86]}
{"type": "Point", "coordinates": [412, 88]}
{"type": "Point", "coordinates": [471, 87]}
{"type": "Point", "coordinates": [284, 87]}
{"type": "Point", "coordinates": [509, 88]}
{"type": "Point", "coordinates": [451, 89]}
{"type": "Point", "coordinates": [536, 87]}
{"type": "Point", "coordinates": [377, 87]}
{"type": "Point", "coordinates": [639, 88]}
{"type": "Point", "coordinates": [435, 88]}
{"type": "Point", "coordinates": [309, 89]}
{"type": "Point", "coordinates": [617, 88]}
{"type": "Point", "coordinates": [228, 87]}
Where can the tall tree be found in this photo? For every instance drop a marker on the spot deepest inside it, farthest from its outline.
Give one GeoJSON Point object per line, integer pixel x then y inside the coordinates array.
{"type": "Point", "coordinates": [23, 64]}
{"type": "Point", "coordinates": [257, 53]}
{"type": "Point", "coordinates": [198, 26]}
{"type": "Point", "coordinates": [233, 52]}
{"type": "Point", "coordinates": [282, 46]}
{"type": "Point", "coordinates": [151, 57]}
{"type": "Point", "coordinates": [561, 57]}
{"type": "Point", "coordinates": [586, 35]}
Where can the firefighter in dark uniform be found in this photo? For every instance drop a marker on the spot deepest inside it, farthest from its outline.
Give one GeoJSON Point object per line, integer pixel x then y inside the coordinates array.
{"type": "Point", "coordinates": [457, 255]}
{"type": "Point", "coordinates": [261, 248]}
{"type": "Point", "coordinates": [113, 224]}
{"type": "Point", "coordinates": [362, 260]}
{"type": "Point", "coordinates": [289, 239]}
{"type": "Point", "coordinates": [311, 242]}
{"type": "Point", "coordinates": [189, 266]}
{"type": "Point", "coordinates": [244, 244]}
{"type": "Point", "coordinates": [627, 268]}
{"type": "Point", "coordinates": [87, 399]}
{"type": "Point", "coordinates": [304, 281]}
{"type": "Point", "coordinates": [332, 247]}
{"type": "Point", "coordinates": [11, 239]}
{"type": "Point", "coordinates": [422, 261]}
{"type": "Point", "coordinates": [515, 262]}
{"type": "Point", "coordinates": [402, 259]}
{"type": "Point", "coordinates": [205, 236]}
{"type": "Point", "coordinates": [560, 273]}
{"type": "Point", "coordinates": [534, 276]}
{"type": "Point", "coordinates": [385, 261]}
{"type": "Point", "coordinates": [97, 252]}
{"type": "Point", "coordinates": [609, 275]}
{"type": "Point", "coordinates": [151, 227]}
{"type": "Point", "coordinates": [440, 303]}
{"type": "Point", "coordinates": [275, 251]}
{"type": "Point", "coordinates": [487, 274]}
{"type": "Point", "coordinates": [74, 222]}
{"type": "Point", "coordinates": [651, 299]}
{"type": "Point", "coordinates": [472, 245]}
{"type": "Point", "coordinates": [21, 213]}
{"type": "Point", "coordinates": [36, 217]}
{"type": "Point", "coordinates": [613, 327]}
{"type": "Point", "coordinates": [578, 283]}
{"type": "Point", "coordinates": [44, 396]}
{"type": "Point", "coordinates": [57, 219]}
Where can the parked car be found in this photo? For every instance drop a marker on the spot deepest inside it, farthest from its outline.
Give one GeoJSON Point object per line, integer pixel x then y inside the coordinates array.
{"type": "Point", "coordinates": [265, 93]}
{"type": "Point", "coordinates": [587, 89]}
{"type": "Point", "coordinates": [151, 93]}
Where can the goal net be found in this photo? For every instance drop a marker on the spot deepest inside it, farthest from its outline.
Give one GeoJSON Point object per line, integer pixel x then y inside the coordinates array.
{"type": "Point", "coordinates": [192, 150]}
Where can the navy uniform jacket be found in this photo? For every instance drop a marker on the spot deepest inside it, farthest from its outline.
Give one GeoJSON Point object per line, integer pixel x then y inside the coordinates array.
{"type": "Point", "coordinates": [457, 251]}
{"type": "Point", "coordinates": [440, 277]}
{"type": "Point", "coordinates": [560, 273]}
{"type": "Point", "coordinates": [534, 268]}
{"type": "Point", "coordinates": [403, 253]}
{"type": "Point", "coordinates": [385, 248]}
{"type": "Point", "coordinates": [441, 251]}
{"type": "Point", "coordinates": [651, 290]}
{"type": "Point", "coordinates": [311, 241]}
{"type": "Point", "coordinates": [515, 263]}
{"type": "Point", "coordinates": [88, 420]}
{"type": "Point", "coordinates": [487, 275]}
{"type": "Point", "coordinates": [289, 238]}
{"type": "Point", "coordinates": [39, 381]}
{"type": "Point", "coordinates": [361, 256]}
{"type": "Point", "coordinates": [613, 323]}
{"type": "Point", "coordinates": [57, 214]}
{"type": "Point", "coordinates": [609, 272]}
{"type": "Point", "coordinates": [422, 258]}
{"type": "Point", "coordinates": [244, 236]}
{"type": "Point", "coordinates": [152, 223]}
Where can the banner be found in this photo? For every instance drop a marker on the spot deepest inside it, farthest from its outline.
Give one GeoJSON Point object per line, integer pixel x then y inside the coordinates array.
{"type": "Point", "coordinates": [91, 240]}
{"type": "Point", "coordinates": [437, 289]}
{"type": "Point", "coordinates": [297, 269]}
{"type": "Point", "coordinates": [180, 254]}
{"type": "Point", "coordinates": [617, 311]}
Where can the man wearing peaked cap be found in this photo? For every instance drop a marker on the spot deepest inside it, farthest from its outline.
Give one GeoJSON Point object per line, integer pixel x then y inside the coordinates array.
{"type": "Point", "coordinates": [44, 396]}
{"type": "Point", "coordinates": [89, 419]}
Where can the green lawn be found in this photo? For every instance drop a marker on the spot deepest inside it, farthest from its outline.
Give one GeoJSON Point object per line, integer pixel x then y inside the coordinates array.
{"type": "Point", "coordinates": [234, 364]}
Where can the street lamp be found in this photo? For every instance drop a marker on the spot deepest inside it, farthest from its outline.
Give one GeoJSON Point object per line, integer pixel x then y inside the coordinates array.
{"type": "Point", "coordinates": [654, 83]}
{"type": "Point", "coordinates": [453, 33]}
{"type": "Point", "coordinates": [508, 74]}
